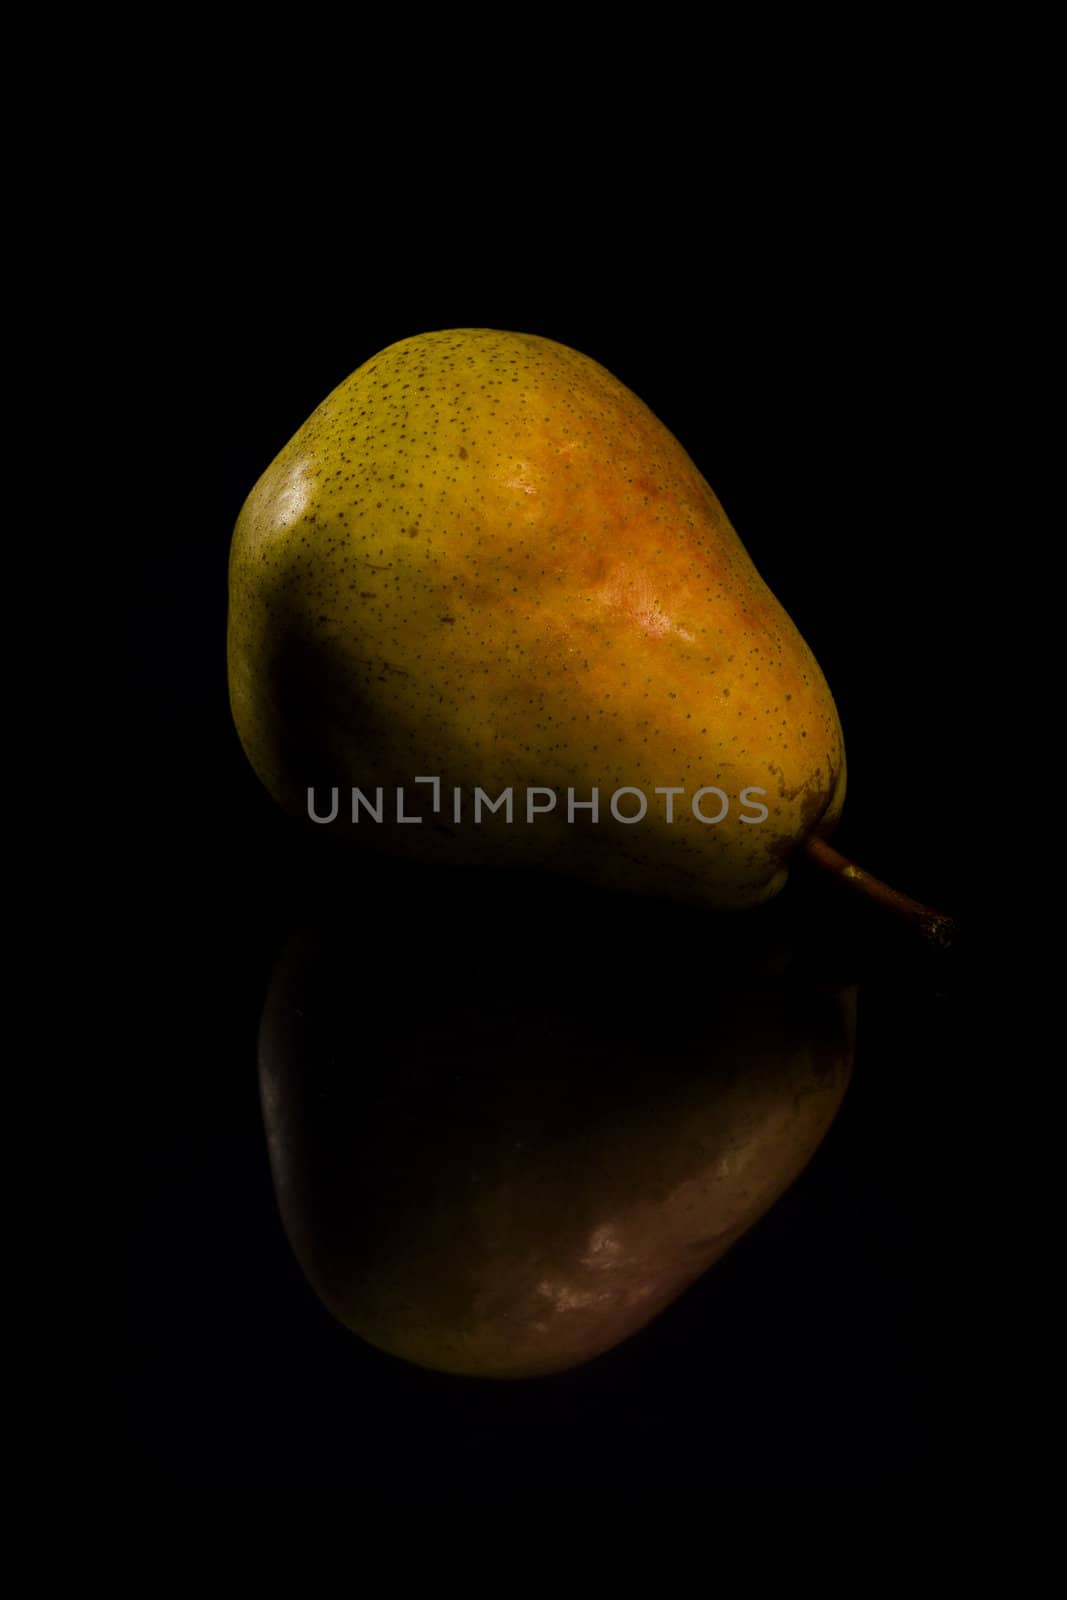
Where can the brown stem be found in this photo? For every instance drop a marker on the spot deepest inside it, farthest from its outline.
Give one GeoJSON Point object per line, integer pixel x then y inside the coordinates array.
{"type": "Point", "coordinates": [934, 927]}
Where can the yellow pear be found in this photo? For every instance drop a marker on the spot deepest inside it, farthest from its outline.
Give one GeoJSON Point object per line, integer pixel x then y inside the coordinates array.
{"type": "Point", "coordinates": [483, 561]}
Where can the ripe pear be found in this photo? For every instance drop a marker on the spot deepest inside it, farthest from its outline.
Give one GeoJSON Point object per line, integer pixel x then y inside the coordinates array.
{"type": "Point", "coordinates": [503, 1176]}
{"type": "Point", "coordinates": [483, 560]}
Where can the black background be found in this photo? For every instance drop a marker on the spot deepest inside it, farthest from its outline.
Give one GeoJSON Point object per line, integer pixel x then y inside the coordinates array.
{"type": "Point", "coordinates": [815, 360]}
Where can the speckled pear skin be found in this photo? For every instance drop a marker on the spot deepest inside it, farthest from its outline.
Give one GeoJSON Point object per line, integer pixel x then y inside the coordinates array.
{"type": "Point", "coordinates": [514, 1176]}
{"type": "Point", "coordinates": [483, 558]}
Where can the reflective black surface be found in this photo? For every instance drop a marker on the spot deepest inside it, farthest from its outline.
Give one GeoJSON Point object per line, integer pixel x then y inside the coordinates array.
{"type": "Point", "coordinates": [821, 407]}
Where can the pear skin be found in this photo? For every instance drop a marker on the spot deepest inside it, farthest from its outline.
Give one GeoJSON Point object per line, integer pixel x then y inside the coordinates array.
{"type": "Point", "coordinates": [482, 558]}
{"type": "Point", "coordinates": [510, 1173]}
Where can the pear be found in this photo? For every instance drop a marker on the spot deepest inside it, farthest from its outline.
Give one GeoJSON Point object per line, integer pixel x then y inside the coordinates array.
{"type": "Point", "coordinates": [482, 561]}
{"type": "Point", "coordinates": [501, 1175]}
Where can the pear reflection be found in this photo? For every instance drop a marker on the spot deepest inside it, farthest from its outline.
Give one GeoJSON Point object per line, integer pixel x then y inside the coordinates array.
{"type": "Point", "coordinates": [504, 1140]}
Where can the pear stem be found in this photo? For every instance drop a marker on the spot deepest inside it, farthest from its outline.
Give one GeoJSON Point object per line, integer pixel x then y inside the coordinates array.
{"type": "Point", "coordinates": [934, 927]}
